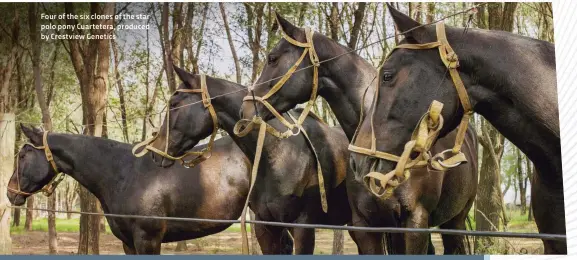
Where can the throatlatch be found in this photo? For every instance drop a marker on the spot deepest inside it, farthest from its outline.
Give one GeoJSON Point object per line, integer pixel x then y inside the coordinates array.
{"type": "Point", "coordinates": [426, 131]}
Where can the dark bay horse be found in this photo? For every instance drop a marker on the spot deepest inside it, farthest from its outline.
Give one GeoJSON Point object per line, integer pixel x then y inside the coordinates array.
{"type": "Point", "coordinates": [510, 80]}
{"type": "Point", "coordinates": [125, 184]}
{"type": "Point", "coordinates": [427, 199]}
{"type": "Point", "coordinates": [287, 187]}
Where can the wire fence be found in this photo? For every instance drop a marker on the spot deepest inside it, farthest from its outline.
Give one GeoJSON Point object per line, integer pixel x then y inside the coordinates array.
{"type": "Point", "coordinates": [501, 234]}
{"type": "Point", "coordinates": [554, 237]}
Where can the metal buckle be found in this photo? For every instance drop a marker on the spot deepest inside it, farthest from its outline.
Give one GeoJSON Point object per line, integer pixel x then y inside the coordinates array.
{"type": "Point", "coordinates": [441, 156]}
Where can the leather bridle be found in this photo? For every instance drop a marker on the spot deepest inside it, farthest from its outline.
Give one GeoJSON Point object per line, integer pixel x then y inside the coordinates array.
{"type": "Point", "coordinates": [200, 155]}
{"type": "Point", "coordinates": [426, 132]}
{"type": "Point", "coordinates": [49, 188]}
{"type": "Point", "coordinates": [309, 48]}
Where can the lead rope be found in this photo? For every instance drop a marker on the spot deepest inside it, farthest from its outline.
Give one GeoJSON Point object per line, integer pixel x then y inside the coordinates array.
{"type": "Point", "coordinates": [264, 128]}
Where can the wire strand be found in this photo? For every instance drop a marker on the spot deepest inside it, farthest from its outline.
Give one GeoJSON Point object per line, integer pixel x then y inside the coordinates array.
{"type": "Point", "coordinates": [322, 226]}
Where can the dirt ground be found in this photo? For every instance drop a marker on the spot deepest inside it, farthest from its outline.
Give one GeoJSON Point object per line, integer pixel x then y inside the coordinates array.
{"type": "Point", "coordinates": [35, 243]}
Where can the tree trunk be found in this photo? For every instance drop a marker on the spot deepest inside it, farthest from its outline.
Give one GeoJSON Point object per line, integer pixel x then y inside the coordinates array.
{"type": "Point", "coordinates": [120, 89]}
{"type": "Point", "coordinates": [16, 218]}
{"type": "Point", "coordinates": [231, 44]}
{"type": "Point", "coordinates": [489, 200]}
{"type": "Point", "coordinates": [333, 21]}
{"type": "Point", "coordinates": [199, 38]}
{"type": "Point", "coordinates": [254, 12]}
{"type": "Point", "coordinates": [338, 242]}
{"type": "Point", "coordinates": [166, 50]}
{"type": "Point", "coordinates": [177, 35]}
{"type": "Point", "coordinates": [7, 139]}
{"type": "Point", "coordinates": [521, 182]}
{"type": "Point", "coordinates": [359, 16]}
{"type": "Point", "coordinates": [29, 213]}
{"type": "Point", "coordinates": [481, 16]}
{"type": "Point", "coordinates": [46, 119]}
{"type": "Point", "coordinates": [430, 12]}
{"type": "Point", "coordinates": [91, 67]}
{"type": "Point", "coordinates": [8, 96]}
{"type": "Point", "coordinates": [508, 16]}
{"type": "Point", "coordinates": [181, 246]}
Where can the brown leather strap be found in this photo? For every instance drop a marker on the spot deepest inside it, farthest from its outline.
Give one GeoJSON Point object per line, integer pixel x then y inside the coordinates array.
{"type": "Point", "coordinates": [144, 147]}
{"type": "Point", "coordinates": [427, 129]}
{"type": "Point", "coordinates": [309, 49]}
{"type": "Point", "coordinates": [49, 188]}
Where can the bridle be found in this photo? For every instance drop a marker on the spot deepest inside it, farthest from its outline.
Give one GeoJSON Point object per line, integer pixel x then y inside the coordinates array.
{"type": "Point", "coordinates": [426, 131]}
{"type": "Point", "coordinates": [309, 49]}
{"type": "Point", "coordinates": [49, 188]}
{"type": "Point", "coordinates": [245, 126]}
{"type": "Point", "coordinates": [200, 155]}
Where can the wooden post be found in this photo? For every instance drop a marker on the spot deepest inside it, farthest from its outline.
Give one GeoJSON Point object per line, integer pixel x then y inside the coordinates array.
{"type": "Point", "coordinates": [7, 139]}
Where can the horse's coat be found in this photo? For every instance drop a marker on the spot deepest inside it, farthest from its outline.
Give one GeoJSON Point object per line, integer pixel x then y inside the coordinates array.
{"type": "Point", "coordinates": [125, 184]}
{"type": "Point", "coordinates": [286, 188]}
{"type": "Point", "coordinates": [415, 203]}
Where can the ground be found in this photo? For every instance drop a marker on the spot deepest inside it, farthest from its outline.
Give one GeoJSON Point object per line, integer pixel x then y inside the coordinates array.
{"type": "Point", "coordinates": [227, 242]}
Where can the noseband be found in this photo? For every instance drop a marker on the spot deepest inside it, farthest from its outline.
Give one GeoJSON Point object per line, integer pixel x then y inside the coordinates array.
{"type": "Point", "coordinates": [200, 155]}
{"type": "Point", "coordinates": [49, 188]}
{"type": "Point", "coordinates": [426, 132]}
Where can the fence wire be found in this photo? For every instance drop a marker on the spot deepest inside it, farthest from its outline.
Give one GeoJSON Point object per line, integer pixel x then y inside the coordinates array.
{"type": "Point", "coordinates": [555, 237]}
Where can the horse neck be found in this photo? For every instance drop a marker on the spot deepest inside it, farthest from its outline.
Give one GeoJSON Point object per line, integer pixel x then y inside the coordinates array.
{"type": "Point", "coordinates": [515, 92]}
{"type": "Point", "coordinates": [86, 160]}
{"type": "Point", "coordinates": [342, 83]}
{"type": "Point", "coordinates": [227, 108]}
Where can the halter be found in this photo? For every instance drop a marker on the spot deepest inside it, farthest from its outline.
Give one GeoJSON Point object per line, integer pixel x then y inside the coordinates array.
{"type": "Point", "coordinates": [309, 49]}
{"type": "Point", "coordinates": [49, 188]}
{"type": "Point", "coordinates": [200, 155]}
{"type": "Point", "coordinates": [426, 131]}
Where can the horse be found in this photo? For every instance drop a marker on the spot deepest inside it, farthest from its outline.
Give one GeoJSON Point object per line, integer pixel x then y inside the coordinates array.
{"type": "Point", "coordinates": [125, 184]}
{"type": "Point", "coordinates": [286, 188]}
{"type": "Point", "coordinates": [426, 199]}
{"type": "Point", "coordinates": [509, 80]}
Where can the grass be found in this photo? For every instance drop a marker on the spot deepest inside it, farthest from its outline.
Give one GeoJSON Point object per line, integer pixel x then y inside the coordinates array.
{"type": "Point", "coordinates": [62, 225]}
{"type": "Point", "coordinates": [73, 225]}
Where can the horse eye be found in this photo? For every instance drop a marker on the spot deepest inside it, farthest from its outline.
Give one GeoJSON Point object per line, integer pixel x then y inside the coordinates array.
{"type": "Point", "coordinates": [387, 76]}
{"type": "Point", "coordinates": [272, 59]}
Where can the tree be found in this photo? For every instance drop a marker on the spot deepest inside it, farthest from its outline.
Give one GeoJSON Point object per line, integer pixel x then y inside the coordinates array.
{"type": "Point", "coordinates": [9, 42]}
{"type": "Point", "coordinates": [46, 119]}
{"type": "Point", "coordinates": [231, 44]}
{"type": "Point", "coordinates": [489, 201]}
{"type": "Point", "coordinates": [91, 62]}
{"type": "Point", "coordinates": [254, 13]}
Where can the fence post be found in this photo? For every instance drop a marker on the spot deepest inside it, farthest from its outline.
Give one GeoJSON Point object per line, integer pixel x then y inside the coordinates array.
{"type": "Point", "coordinates": [7, 136]}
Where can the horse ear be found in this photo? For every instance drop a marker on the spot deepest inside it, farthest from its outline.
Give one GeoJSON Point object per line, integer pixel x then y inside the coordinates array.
{"type": "Point", "coordinates": [184, 76]}
{"type": "Point", "coordinates": [405, 23]}
{"type": "Point", "coordinates": [33, 134]}
{"type": "Point", "coordinates": [287, 27]}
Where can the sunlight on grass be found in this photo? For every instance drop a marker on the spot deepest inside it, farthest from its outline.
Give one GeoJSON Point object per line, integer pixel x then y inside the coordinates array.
{"type": "Point", "coordinates": [62, 225]}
